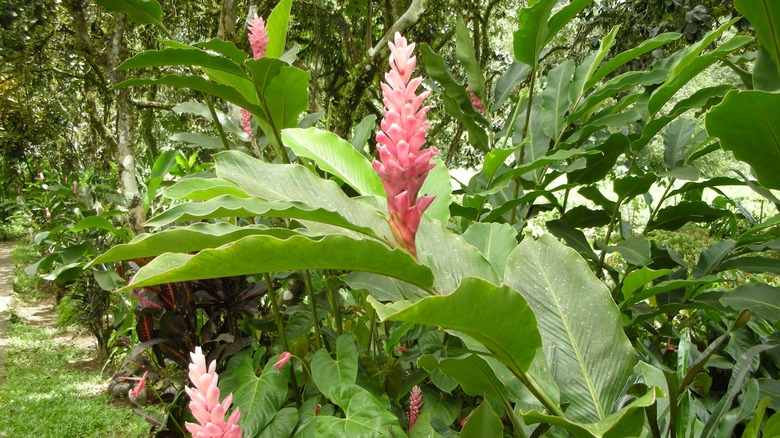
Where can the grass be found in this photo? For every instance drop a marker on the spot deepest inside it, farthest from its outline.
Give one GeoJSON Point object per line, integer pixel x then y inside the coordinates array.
{"type": "Point", "coordinates": [44, 395]}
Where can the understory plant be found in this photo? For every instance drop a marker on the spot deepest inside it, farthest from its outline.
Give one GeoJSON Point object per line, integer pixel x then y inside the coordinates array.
{"type": "Point", "coordinates": [389, 304]}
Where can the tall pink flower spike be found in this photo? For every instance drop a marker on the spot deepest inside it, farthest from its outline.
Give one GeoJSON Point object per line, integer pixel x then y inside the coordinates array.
{"type": "Point", "coordinates": [402, 166]}
{"type": "Point", "coordinates": [258, 39]}
{"type": "Point", "coordinates": [205, 405]}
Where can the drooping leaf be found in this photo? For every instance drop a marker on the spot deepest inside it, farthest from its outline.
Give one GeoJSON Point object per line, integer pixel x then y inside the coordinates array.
{"type": "Point", "coordinates": [762, 299]}
{"type": "Point", "coordinates": [202, 189]}
{"type": "Point", "coordinates": [187, 239]}
{"type": "Point", "coordinates": [336, 156]}
{"type": "Point", "coordinates": [748, 124]}
{"type": "Point", "coordinates": [673, 217]}
{"type": "Point", "coordinates": [254, 254]}
{"type": "Point", "coordinates": [140, 11]}
{"type": "Point", "coordinates": [572, 306]}
{"type": "Point", "coordinates": [498, 317]}
{"type": "Point", "coordinates": [764, 15]}
{"type": "Point", "coordinates": [471, 372]}
{"type": "Point", "coordinates": [483, 422]}
{"type": "Point", "coordinates": [464, 50]}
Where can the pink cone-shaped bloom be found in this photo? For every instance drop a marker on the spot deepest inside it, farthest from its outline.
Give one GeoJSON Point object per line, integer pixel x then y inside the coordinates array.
{"type": "Point", "coordinates": [258, 37]}
{"type": "Point", "coordinates": [246, 123]}
{"type": "Point", "coordinates": [415, 403]}
{"type": "Point", "coordinates": [204, 402]}
{"type": "Point", "coordinates": [402, 165]}
{"type": "Point", "coordinates": [283, 359]}
{"type": "Point", "coordinates": [140, 386]}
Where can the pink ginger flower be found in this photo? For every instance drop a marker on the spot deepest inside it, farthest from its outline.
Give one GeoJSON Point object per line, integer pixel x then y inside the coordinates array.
{"type": "Point", "coordinates": [204, 402]}
{"type": "Point", "coordinates": [140, 386]}
{"type": "Point", "coordinates": [402, 166]}
{"type": "Point", "coordinates": [258, 37]}
{"type": "Point", "coordinates": [246, 123]}
{"type": "Point", "coordinates": [415, 403]}
{"type": "Point", "coordinates": [475, 100]}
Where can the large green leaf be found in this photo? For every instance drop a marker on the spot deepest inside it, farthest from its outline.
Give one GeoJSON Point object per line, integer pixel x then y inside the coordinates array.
{"type": "Point", "coordinates": [483, 422]}
{"type": "Point", "coordinates": [498, 317]}
{"type": "Point", "coordinates": [495, 241]}
{"type": "Point", "coordinates": [748, 124]}
{"type": "Point", "coordinates": [277, 29]}
{"type": "Point", "coordinates": [228, 206]}
{"type": "Point", "coordinates": [677, 142]}
{"type": "Point", "coordinates": [186, 57]}
{"type": "Point", "coordinates": [335, 156]}
{"type": "Point", "coordinates": [364, 415]}
{"type": "Point", "coordinates": [187, 239]}
{"type": "Point", "coordinates": [626, 422]}
{"type": "Point", "coordinates": [282, 425]}
{"type": "Point", "coordinates": [202, 189]}
{"type": "Point", "coordinates": [533, 30]}
{"type": "Point", "coordinates": [450, 257]}
{"type": "Point", "coordinates": [287, 97]}
{"type": "Point", "coordinates": [762, 299]}
{"type": "Point", "coordinates": [579, 323]}
{"type": "Point", "coordinates": [140, 11]}
{"type": "Point", "coordinates": [276, 182]}
{"type": "Point", "coordinates": [438, 185]}
{"type": "Point", "coordinates": [629, 55]}
{"type": "Point", "coordinates": [256, 254]}
{"type": "Point", "coordinates": [471, 372]}
{"type": "Point", "coordinates": [201, 84]}
{"type": "Point", "coordinates": [556, 99]}
{"type": "Point", "coordinates": [764, 15]}
{"type": "Point", "coordinates": [259, 398]}
{"type": "Point", "coordinates": [329, 374]}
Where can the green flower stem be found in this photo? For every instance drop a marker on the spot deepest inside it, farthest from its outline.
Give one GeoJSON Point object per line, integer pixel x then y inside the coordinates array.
{"type": "Point", "coordinates": [272, 297]}
{"type": "Point", "coordinates": [310, 293]}
{"type": "Point", "coordinates": [214, 117]}
{"type": "Point", "coordinates": [334, 308]}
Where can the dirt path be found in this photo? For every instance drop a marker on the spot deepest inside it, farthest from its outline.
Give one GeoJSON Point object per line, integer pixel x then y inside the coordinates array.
{"type": "Point", "coordinates": [40, 313]}
{"type": "Point", "coordinates": [6, 294]}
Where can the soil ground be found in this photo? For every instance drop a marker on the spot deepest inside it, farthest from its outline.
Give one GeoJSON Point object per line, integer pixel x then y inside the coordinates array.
{"type": "Point", "coordinates": [39, 313]}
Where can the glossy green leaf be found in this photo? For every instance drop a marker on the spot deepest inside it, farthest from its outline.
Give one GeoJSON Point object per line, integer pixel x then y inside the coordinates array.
{"type": "Point", "coordinates": [259, 398]}
{"type": "Point", "coordinates": [629, 187]}
{"type": "Point", "coordinates": [626, 422]}
{"type": "Point", "coordinates": [764, 15]}
{"type": "Point", "coordinates": [283, 424]}
{"type": "Point", "coordinates": [757, 265]}
{"type": "Point", "coordinates": [464, 50]}
{"type": "Point", "coordinates": [712, 257]}
{"type": "Point", "coordinates": [201, 84]}
{"type": "Point", "coordinates": [201, 140]}
{"type": "Point", "coordinates": [187, 239]}
{"type": "Point", "coordinates": [552, 158]}
{"type": "Point", "coordinates": [277, 182]}
{"type": "Point", "coordinates": [498, 317]}
{"type": "Point", "coordinates": [256, 254]}
{"type": "Point", "coordinates": [277, 29]}
{"type": "Point", "coordinates": [228, 206]}
{"type": "Point", "coordinates": [483, 422]}
{"type": "Point", "coordinates": [533, 31]}
{"type": "Point", "coordinates": [675, 216]}
{"type": "Point", "coordinates": [618, 84]}
{"type": "Point", "coordinates": [573, 237]}
{"type": "Point", "coordinates": [677, 142]}
{"type": "Point", "coordinates": [363, 132]}
{"type": "Point", "coordinates": [225, 48]}
{"type": "Point", "coordinates": [185, 57]}
{"type": "Point", "coordinates": [579, 322]}
{"type": "Point", "coordinates": [599, 165]}
{"type": "Point", "coordinates": [555, 98]}
{"type": "Point", "coordinates": [329, 374]}
{"type": "Point", "coordinates": [748, 124]}
{"type": "Point", "coordinates": [140, 11]}
{"type": "Point", "coordinates": [335, 156]}
{"type": "Point", "coordinates": [516, 73]}
{"type": "Point", "coordinates": [471, 372]}
{"type": "Point", "coordinates": [384, 288]}
{"type": "Point", "coordinates": [636, 279]}
{"type": "Point", "coordinates": [495, 241]}
{"type": "Point", "coordinates": [588, 67]}
{"type": "Point", "coordinates": [101, 223]}
{"type": "Point", "coordinates": [203, 110]}
{"type": "Point", "coordinates": [450, 257]}
{"type": "Point", "coordinates": [438, 185]}
{"type": "Point", "coordinates": [564, 16]}
{"type": "Point", "coordinates": [666, 286]}
{"type": "Point", "coordinates": [287, 97]}
{"type": "Point", "coordinates": [202, 189]}
{"type": "Point", "coordinates": [635, 250]}
{"type": "Point", "coordinates": [762, 299]}
{"type": "Point", "coordinates": [631, 54]}
{"type": "Point", "coordinates": [364, 415]}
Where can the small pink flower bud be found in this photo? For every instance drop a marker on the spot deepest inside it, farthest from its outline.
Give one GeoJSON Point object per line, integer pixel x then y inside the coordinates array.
{"type": "Point", "coordinates": [246, 123]}
{"type": "Point", "coordinates": [475, 101]}
{"type": "Point", "coordinates": [283, 359]}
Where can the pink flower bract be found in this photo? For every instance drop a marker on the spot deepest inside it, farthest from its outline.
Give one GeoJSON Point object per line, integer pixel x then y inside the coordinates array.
{"type": "Point", "coordinates": [258, 37]}
{"type": "Point", "coordinates": [204, 402]}
{"type": "Point", "coordinates": [283, 359]}
{"type": "Point", "coordinates": [402, 165]}
{"type": "Point", "coordinates": [415, 403]}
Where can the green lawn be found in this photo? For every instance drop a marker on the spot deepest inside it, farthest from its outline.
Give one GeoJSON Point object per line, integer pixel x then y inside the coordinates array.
{"type": "Point", "coordinates": [43, 395]}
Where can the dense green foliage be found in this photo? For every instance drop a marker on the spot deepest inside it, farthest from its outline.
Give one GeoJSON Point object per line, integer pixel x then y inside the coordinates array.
{"type": "Point", "coordinates": [551, 293]}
